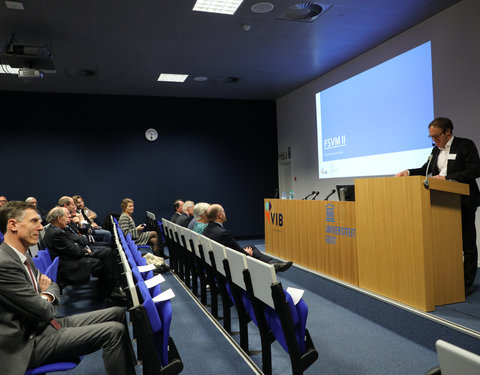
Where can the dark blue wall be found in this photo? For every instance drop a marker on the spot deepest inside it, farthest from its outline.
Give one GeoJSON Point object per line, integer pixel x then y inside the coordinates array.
{"type": "Point", "coordinates": [221, 151]}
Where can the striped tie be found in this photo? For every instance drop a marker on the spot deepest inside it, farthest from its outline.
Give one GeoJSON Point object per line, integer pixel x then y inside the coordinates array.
{"type": "Point", "coordinates": [55, 324]}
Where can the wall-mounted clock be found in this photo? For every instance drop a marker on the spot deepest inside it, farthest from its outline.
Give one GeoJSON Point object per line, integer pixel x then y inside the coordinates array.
{"type": "Point", "coordinates": [151, 134]}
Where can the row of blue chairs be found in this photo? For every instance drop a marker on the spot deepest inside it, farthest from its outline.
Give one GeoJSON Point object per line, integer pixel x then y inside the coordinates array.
{"type": "Point", "coordinates": [150, 320]}
{"type": "Point", "coordinates": [248, 284]}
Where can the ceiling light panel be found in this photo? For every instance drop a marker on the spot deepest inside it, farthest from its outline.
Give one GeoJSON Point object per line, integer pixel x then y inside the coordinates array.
{"type": "Point", "coordinates": [166, 77]}
{"type": "Point", "coordinates": [217, 6]}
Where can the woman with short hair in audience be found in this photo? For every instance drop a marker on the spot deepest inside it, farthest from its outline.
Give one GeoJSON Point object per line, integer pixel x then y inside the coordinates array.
{"type": "Point", "coordinates": [126, 223]}
{"type": "Point", "coordinates": [199, 213]}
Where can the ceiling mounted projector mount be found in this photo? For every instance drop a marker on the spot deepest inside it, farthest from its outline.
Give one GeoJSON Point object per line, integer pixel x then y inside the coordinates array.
{"type": "Point", "coordinates": [27, 60]}
{"type": "Point", "coordinates": [304, 11]}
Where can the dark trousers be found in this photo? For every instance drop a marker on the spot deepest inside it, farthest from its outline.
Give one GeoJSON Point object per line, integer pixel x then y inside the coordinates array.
{"type": "Point", "coordinates": [257, 254]}
{"type": "Point", "coordinates": [84, 334]}
{"type": "Point", "coordinates": [470, 252]}
{"type": "Point", "coordinates": [103, 264]}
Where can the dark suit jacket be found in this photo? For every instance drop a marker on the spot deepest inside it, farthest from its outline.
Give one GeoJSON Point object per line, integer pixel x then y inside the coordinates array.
{"type": "Point", "coordinates": [175, 217]}
{"type": "Point", "coordinates": [184, 219]}
{"type": "Point", "coordinates": [218, 233]}
{"type": "Point", "coordinates": [73, 267]}
{"type": "Point", "coordinates": [23, 313]}
{"type": "Point", "coordinates": [464, 168]}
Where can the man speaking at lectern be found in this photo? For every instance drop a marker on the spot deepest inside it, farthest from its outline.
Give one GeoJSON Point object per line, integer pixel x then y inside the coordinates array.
{"type": "Point", "coordinates": [455, 158]}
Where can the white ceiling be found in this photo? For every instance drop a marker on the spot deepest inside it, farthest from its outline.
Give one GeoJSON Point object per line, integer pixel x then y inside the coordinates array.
{"type": "Point", "coordinates": [128, 43]}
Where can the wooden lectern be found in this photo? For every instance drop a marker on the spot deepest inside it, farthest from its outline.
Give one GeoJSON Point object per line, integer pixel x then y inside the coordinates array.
{"type": "Point", "coordinates": [409, 239]}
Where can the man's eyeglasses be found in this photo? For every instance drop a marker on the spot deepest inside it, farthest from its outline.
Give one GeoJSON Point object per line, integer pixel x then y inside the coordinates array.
{"type": "Point", "coordinates": [436, 137]}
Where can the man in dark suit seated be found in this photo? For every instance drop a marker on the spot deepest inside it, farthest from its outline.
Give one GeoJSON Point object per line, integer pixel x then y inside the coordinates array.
{"type": "Point", "coordinates": [215, 231]}
{"type": "Point", "coordinates": [77, 260]}
{"type": "Point", "coordinates": [29, 334]}
{"type": "Point", "coordinates": [187, 214]}
{"type": "Point", "coordinates": [178, 208]}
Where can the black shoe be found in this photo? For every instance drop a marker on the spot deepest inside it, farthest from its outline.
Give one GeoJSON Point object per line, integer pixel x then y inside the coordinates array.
{"type": "Point", "coordinates": [468, 291]}
{"type": "Point", "coordinates": [282, 266]}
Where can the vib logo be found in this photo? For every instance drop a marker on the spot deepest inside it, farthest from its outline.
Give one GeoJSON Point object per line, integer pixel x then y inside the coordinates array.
{"type": "Point", "coordinates": [272, 217]}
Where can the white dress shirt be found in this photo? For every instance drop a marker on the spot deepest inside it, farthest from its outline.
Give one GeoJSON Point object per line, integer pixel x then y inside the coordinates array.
{"type": "Point", "coordinates": [442, 159]}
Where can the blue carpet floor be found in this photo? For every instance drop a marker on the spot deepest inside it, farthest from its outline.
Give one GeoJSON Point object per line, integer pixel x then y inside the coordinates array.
{"type": "Point", "coordinates": [352, 332]}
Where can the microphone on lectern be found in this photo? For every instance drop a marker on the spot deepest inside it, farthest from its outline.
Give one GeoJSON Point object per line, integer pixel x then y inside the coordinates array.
{"type": "Point", "coordinates": [309, 195]}
{"type": "Point", "coordinates": [328, 196]}
{"type": "Point", "coordinates": [316, 193]}
{"type": "Point", "coordinates": [426, 183]}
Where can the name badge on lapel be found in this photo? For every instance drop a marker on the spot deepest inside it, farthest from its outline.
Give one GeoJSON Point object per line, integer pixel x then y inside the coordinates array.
{"type": "Point", "coordinates": [452, 156]}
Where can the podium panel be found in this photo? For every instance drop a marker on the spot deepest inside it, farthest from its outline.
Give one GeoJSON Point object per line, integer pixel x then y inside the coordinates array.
{"type": "Point", "coordinates": [409, 240]}
{"type": "Point", "coordinates": [398, 239]}
{"type": "Point", "coordinates": [320, 235]}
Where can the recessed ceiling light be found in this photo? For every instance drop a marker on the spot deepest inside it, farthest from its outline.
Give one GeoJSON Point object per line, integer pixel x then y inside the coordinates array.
{"type": "Point", "coordinates": [262, 7]}
{"type": "Point", "coordinates": [217, 6]}
{"type": "Point", "coordinates": [14, 5]}
{"type": "Point", "coordinates": [201, 79]}
{"type": "Point", "coordinates": [166, 77]}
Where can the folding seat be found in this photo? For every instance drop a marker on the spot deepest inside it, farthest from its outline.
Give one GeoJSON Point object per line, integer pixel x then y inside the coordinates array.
{"type": "Point", "coordinates": [156, 349]}
{"type": "Point", "coordinates": [278, 317]}
{"type": "Point", "coordinates": [234, 265]}
{"type": "Point", "coordinates": [191, 261]}
{"type": "Point", "coordinates": [215, 255]}
{"type": "Point", "coordinates": [55, 367]}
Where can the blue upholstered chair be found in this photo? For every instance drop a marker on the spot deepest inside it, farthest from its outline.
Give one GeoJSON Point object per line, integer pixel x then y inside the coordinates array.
{"type": "Point", "coordinates": [52, 270]}
{"type": "Point", "coordinates": [39, 264]}
{"type": "Point", "coordinates": [55, 367]}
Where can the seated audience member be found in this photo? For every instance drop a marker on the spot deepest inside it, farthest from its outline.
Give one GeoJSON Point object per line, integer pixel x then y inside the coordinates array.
{"type": "Point", "coordinates": [75, 219]}
{"type": "Point", "coordinates": [127, 225]}
{"type": "Point", "coordinates": [88, 217]}
{"type": "Point", "coordinates": [77, 260]}
{"type": "Point", "coordinates": [214, 230]}
{"type": "Point", "coordinates": [41, 212]}
{"type": "Point", "coordinates": [200, 217]}
{"type": "Point", "coordinates": [29, 334]}
{"type": "Point", "coordinates": [187, 214]}
{"type": "Point", "coordinates": [178, 208]}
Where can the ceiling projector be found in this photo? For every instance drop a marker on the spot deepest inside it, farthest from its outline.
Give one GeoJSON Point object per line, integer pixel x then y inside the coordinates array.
{"type": "Point", "coordinates": [32, 61]}
{"type": "Point", "coordinates": [29, 73]}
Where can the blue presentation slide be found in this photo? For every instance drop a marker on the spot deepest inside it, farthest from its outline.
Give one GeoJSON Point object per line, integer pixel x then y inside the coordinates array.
{"type": "Point", "coordinates": [384, 110]}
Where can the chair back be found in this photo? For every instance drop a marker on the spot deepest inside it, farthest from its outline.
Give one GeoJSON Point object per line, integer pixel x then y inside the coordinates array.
{"type": "Point", "coordinates": [219, 254]}
{"type": "Point", "coordinates": [206, 244]}
{"type": "Point", "coordinates": [39, 264]}
{"type": "Point", "coordinates": [237, 263]}
{"type": "Point", "coordinates": [455, 360]}
{"type": "Point", "coordinates": [44, 255]}
{"type": "Point", "coordinates": [52, 270]}
{"type": "Point", "coordinates": [263, 276]}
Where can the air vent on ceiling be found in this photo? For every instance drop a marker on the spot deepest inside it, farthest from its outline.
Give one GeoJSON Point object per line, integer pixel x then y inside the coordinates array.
{"type": "Point", "coordinates": [304, 11]}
